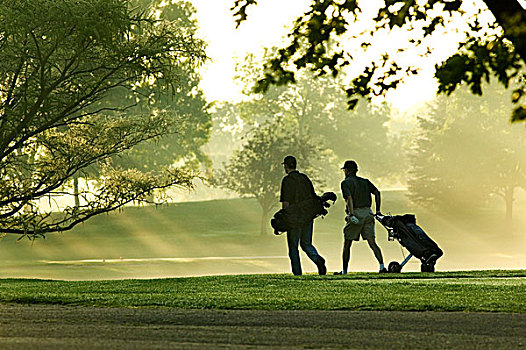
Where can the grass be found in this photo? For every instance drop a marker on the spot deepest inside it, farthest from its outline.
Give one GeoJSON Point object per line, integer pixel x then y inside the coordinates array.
{"type": "Point", "coordinates": [473, 291]}
{"type": "Point", "coordinates": [144, 231]}
{"type": "Point", "coordinates": [230, 228]}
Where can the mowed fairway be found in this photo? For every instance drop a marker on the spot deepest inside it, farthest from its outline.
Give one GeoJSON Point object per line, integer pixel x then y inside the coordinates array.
{"type": "Point", "coordinates": [492, 291]}
{"type": "Point", "coordinates": [485, 310]}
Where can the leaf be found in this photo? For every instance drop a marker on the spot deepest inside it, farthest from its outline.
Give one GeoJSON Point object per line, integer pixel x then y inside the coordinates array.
{"type": "Point", "coordinates": [351, 104]}
{"type": "Point", "coordinates": [519, 114]}
{"type": "Point", "coordinates": [451, 6]}
{"type": "Point", "coordinates": [517, 95]}
{"type": "Point", "coordinates": [240, 8]}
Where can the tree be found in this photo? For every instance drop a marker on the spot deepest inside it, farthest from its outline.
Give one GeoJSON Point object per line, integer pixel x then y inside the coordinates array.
{"type": "Point", "coordinates": [361, 134]}
{"type": "Point", "coordinates": [316, 43]}
{"type": "Point", "coordinates": [183, 141]}
{"type": "Point", "coordinates": [255, 170]}
{"type": "Point", "coordinates": [318, 107]}
{"type": "Point", "coordinates": [464, 152]}
{"type": "Point", "coordinates": [61, 59]}
{"type": "Point", "coordinates": [185, 103]}
{"type": "Point", "coordinates": [228, 131]}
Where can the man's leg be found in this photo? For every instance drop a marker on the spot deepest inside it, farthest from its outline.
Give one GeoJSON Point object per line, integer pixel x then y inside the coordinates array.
{"type": "Point", "coordinates": [310, 250]}
{"type": "Point", "coordinates": [351, 232]}
{"type": "Point", "coordinates": [346, 255]}
{"type": "Point", "coordinates": [293, 239]}
{"type": "Point", "coordinates": [369, 235]}
{"type": "Point", "coordinates": [306, 242]}
{"type": "Point", "coordinates": [376, 250]}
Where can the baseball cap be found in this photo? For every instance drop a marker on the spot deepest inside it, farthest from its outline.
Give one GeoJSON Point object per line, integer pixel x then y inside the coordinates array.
{"type": "Point", "coordinates": [290, 161]}
{"type": "Point", "coordinates": [351, 165]}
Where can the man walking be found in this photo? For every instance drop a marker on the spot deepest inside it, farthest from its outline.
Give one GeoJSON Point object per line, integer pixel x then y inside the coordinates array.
{"type": "Point", "coordinates": [357, 192]}
{"type": "Point", "coordinates": [295, 188]}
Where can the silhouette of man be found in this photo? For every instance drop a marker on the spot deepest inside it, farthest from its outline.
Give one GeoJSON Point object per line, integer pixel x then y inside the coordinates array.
{"type": "Point", "coordinates": [295, 188]}
{"type": "Point", "coordinates": [357, 192]}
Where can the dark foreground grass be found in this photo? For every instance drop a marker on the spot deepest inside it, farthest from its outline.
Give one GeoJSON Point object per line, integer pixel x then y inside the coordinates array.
{"type": "Point", "coordinates": [473, 291]}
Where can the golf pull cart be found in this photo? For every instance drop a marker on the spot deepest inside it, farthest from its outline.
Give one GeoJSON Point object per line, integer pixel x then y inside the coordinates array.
{"type": "Point", "coordinates": [404, 229]}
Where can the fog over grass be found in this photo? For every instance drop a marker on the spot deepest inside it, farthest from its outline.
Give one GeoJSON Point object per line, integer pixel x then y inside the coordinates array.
{"type": "Point", "coordinates": [222, 237]}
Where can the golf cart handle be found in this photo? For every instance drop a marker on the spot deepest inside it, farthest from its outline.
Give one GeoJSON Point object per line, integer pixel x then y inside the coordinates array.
{"type": "Point", "coordinates": [379, 217]}
{"type": "Point", "coordinates": [390, 230]}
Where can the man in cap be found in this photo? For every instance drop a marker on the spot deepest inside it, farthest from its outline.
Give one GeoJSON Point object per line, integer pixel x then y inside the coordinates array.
{"type": "Point", "coordinates": [295, 188]}
{"type": "Point", "coordinates": [357, 192]}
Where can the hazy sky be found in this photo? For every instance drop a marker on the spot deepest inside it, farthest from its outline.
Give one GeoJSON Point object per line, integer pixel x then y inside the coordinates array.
{"type": "Point", "coordinates": [265, 27]}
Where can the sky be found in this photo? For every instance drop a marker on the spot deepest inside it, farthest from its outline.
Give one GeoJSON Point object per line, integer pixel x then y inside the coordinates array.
{"type": "Point", "coordinates": [266, 26]}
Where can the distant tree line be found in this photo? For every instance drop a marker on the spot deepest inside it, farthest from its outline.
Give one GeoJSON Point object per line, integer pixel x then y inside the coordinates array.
{"type": "Point", "coordinates": [461, 153]}
{"type": "Point", "coordinates": [465, 151]}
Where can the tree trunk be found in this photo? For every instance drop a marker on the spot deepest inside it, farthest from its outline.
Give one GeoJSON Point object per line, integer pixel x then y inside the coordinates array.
{"type": "Point", "coordinates": [264, 222]}
{"type": "Point", "coordinates": [503, 10]}
{"type": "Point", "coordinates": [76, 191]}
{"type": "Point", "coordinates": [508, 198]}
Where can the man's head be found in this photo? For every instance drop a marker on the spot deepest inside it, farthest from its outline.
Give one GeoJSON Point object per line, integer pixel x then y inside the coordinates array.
{"type": "Point", "coordinates": [289, 163]}
{"type": "Point", "coordinates": [350, 167]}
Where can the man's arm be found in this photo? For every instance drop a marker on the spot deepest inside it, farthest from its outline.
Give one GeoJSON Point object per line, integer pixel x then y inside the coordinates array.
{"type": "Point", "coordinates": [378, 201]}
{"type": "Point", "coordinates": [350, 206]}
{"type": "Point", "coordinates": [286, 192]}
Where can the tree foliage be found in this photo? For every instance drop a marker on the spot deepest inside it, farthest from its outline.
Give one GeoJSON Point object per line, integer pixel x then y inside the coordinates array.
{"type": "Point", "coordinates": [465, 152]}
{"type": "Point", "coordinates": [184, 102]}
{"type": "Point", "coordinates": [318, 36]}
{"type": "Point", "coordinates": [60, 60]}
{"type": "Point", "coordinates": [318, 106]}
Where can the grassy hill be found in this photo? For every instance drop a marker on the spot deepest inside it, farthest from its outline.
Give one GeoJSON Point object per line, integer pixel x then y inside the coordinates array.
{"type": "Point", "coordinates": [222, 237]}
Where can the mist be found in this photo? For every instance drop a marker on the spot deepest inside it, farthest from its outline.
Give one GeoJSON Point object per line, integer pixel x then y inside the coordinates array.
{"type": "Point", "coordinates": [178, 240]}
{"type": "Point", "coordinates": [457, 164]}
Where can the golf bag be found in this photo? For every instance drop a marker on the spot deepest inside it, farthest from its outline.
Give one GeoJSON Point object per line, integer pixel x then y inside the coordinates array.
{"type": "Point", "coordinates": [300, 213]}
{"type": "Point", "coordinates": [404, 229]}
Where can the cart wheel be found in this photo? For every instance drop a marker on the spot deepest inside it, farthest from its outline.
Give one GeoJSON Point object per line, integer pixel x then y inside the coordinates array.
{"type": "Point", "coordinates": [394, 267]}
{"type": "Point", "coordinates": [427, 267]}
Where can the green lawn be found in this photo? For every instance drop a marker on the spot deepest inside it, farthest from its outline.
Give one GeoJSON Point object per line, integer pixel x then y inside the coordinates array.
{"type": "Point", "coordinates": [492, 291]}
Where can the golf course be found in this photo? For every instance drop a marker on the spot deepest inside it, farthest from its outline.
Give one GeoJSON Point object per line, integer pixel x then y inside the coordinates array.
{"type": "Point", "coordinates": [200, 275]}
{"type": "Point", "coordinates": [244, 174]}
